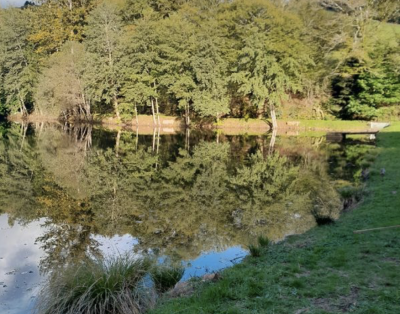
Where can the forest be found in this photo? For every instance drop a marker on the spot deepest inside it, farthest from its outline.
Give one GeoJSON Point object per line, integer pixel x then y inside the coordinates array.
{"type": "Point", "coordinates": [201, 59]}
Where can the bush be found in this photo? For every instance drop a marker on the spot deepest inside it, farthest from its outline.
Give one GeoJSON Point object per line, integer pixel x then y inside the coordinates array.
{"type": "Point", "coordinates": [114, 285]}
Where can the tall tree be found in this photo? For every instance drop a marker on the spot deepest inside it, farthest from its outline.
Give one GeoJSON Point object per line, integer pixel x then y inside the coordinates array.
{"type": "Point", "coordinates": [103, 43]}
{"type": "Point", "coordinates": [272, 57]}
{"type": "Point", "coordinates": [142, 58]}
{"type": "Point", "coordinates": [62, 88]}
{"type": "Point", "coordinates": [58, 21]}
{"type": "Point", "coordinates": [18, 65]}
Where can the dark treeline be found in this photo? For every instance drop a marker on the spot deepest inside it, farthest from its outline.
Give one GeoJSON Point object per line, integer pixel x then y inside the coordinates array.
{"type": "Point", "coordinates": [200, 58]}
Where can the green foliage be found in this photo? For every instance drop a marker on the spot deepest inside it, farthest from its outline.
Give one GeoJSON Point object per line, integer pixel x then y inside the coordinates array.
{"type": "Point", "coordinates": [64, 95]}
{"type": "Point", "coordinates": [18, 64]}
{"type": "Point", "coordinates": [263, 180]}
{"type": "Point", "coordinates": [103, 42]}
{"type": "Point", "coordinates": [270, 63]}
{"type": "Point", "coordinates": [207, 59]}
{"type": "Point", "coordinates": [369, 83]}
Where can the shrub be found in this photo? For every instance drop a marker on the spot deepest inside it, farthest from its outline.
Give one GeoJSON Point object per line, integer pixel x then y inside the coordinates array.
{"type": "Point", "coordinates": [114, 285]}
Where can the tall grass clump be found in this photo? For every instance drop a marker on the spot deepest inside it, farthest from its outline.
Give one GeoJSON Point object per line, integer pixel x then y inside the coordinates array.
{"type": "Point", "coordinates": [166, 277]}
{"type": "Point", "coordinates": [111, 286]}
{"type": "Point", "coordinates": [263, 241]}
{"type": "Point", "coordinates": [255, 250]}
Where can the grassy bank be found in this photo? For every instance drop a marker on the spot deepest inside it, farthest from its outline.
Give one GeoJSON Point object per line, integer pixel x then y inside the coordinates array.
{"type": "Point", "coordinates": [304, 125]}
{"type": "Point", "coordinates": [327, 270]}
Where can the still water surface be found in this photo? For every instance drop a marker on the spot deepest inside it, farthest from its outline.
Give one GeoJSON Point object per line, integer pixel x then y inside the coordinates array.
{"type": "Point", "coordinates": [71, 193]}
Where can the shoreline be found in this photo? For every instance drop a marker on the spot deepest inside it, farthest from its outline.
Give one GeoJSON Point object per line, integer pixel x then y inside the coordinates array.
{"type": "Point", "coordinates": [229, 126]}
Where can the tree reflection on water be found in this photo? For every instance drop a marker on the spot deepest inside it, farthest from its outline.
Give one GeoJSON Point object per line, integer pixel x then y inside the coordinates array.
{"type": "Point", "coordinates": [178, 197]}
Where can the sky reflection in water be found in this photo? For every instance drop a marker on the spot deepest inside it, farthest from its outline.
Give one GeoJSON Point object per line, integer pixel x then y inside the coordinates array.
{"type": "Point", "coordinates": [20, 256]}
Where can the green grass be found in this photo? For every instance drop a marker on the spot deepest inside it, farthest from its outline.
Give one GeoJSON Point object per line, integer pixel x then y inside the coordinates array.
{"type": "Point", "coordinates": [334, 125]}
{"type": "Point", "coordinates": [323, 125]}
{"type": "Point", "coordinates": [326, 270]}
{"type": "Point", "coordinates": [110, 286]}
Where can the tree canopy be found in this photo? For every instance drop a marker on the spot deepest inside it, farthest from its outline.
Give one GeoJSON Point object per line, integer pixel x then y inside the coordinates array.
{"type": "Point", "coordinates": [202, 58]}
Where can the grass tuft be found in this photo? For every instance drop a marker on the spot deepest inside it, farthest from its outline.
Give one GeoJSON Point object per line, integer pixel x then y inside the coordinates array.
{"type": "Point", "coordinates": [114, 285]}
{"type": "Point", "coordinates": [166, 277]}
{"type": "Point", "coordinates": [263, 241]}
{"type": "Point", "coordinates": [254, 250]}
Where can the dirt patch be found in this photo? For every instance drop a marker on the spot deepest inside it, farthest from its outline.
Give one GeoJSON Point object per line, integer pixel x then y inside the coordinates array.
{"type": "Point", "coordinates": [182, 289]}
{"type": "Point", "coordinates": [349, 302]}
{"type": "Point", "coordinates": [301, 311]}
{"type": "Point", "coordinates": [392, 260]}
{"type": "Point", "coordinates": [344, 304]}
{"type": "Point", "coordinates": [324, 304]}
{"type": "Point", "coordinates": [303, 274]}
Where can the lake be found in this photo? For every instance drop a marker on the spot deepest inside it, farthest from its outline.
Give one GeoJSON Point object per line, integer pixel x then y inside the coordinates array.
{"type": "Point", "coordinates": [70, 193]}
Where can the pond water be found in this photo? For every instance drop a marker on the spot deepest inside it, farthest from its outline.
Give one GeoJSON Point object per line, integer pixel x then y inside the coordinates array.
{"type": "Point", "coordinates": [69, 193]}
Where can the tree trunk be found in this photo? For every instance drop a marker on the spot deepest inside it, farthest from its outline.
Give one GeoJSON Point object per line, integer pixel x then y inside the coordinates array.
{"type": "Point", "coordinates": [117, 143]}
{"type": "Point", "coordinates": [152, 111]}
{"type": "Point", "coordinates": [154, 140]}
{"type": "Point", "coordinates": [23, 107]}
{"type": "Point", "coordinates": [187, 141]}
{"type": "Point", "coordinates": [137, 137]}
{"type": "Point", "coordinates": [115, 102]}
{"type": "Point", "coordinates": [158, 140]}
{"type": "Point", "coordinates": [187, 115]}
{"type": "Point", "coordinates": [158, 113]}
{"type": "Point", "coordinates": [136, 116]}
{"type": "Point", "coordinates": [273, 117]}
{"type": "Point", "coordinates": [272, 142]}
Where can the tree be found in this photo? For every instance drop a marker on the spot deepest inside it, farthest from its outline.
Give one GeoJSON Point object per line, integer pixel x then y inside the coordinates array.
{"type": "Point", "coordinates": [210, 69]}
{"type": "Point", "coordinates": [272, 57]}
{"type": "Point", "coordinates": [363, 89]}
{"type": "Point", "coordinates": [138, 90]}
{"type": "Point", "coordinates": [142, 59]}
{"type": "Point", "coordinates": [64, 95]}
{"type": "Point", "coordinates": [18, 65]}
{"type": "Point", "coordinates": [56, 22]}
{"type": "Point", "coordinates": [103, 43]}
